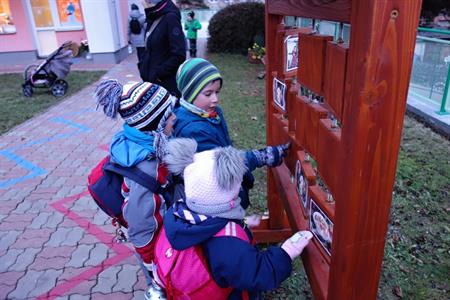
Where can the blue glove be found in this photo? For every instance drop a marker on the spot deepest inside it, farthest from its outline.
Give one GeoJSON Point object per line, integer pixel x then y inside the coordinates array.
{"type": "Point", "coordinates": [271, 156]}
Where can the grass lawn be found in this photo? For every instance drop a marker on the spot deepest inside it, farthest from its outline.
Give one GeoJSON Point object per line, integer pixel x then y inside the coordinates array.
{"type": "Point", "coordinates": [15, 108]}
{"type": "Point", "coordinates": [417, 252]}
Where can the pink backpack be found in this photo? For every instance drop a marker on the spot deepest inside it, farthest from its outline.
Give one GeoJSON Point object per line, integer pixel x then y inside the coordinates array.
{"type": "Point", "coordinates": [185, 274]}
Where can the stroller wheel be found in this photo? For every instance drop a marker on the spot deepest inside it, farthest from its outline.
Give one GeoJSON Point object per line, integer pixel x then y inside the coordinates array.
{"type": "Point", "coordinates": [27, 90]}
{"type": "Point", "coordinates": [59, 88]}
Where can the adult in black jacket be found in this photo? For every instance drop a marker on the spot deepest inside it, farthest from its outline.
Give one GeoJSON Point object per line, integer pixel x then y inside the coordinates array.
{"type": "Point", "coordinates": [165, 46]}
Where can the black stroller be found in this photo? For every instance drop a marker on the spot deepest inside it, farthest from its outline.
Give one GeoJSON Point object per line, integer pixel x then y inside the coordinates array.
{"type": "Point", "coordinates": [50, 73]}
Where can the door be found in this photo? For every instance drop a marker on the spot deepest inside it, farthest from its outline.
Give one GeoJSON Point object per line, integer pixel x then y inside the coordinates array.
{"type": "Point", "coordinates": [50, 16]}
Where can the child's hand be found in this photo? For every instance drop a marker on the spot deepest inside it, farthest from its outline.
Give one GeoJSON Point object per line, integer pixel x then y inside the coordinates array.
{"type": "Point", "coordinates": [271, 156]}
{"type": "Point", "coordinates": [252, 221]}
{"type": "Point", "coordinates": [296, 243]}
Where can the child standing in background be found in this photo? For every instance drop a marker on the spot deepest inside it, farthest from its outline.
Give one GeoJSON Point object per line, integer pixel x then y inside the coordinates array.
{"type": "Point", "coordinates": [192, 25]}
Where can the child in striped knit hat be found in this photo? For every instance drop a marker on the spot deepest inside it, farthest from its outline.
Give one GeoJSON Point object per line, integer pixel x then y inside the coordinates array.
{"type": "Point", "coordinates": [146, 109]}
{"type": "Point", "coordinates": [201, 119]}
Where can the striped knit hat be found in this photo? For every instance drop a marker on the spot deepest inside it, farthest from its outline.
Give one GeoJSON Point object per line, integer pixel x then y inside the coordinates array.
{"type": "Point", "coordinates": [193, 75]}
{"type": "Point", "coordinates": [141, 104]}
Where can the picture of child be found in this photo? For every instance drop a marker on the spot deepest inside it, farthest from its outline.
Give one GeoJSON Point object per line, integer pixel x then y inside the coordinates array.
{"type": "Point", "coordinates": [291, 48]}
{"type": "Point", "coordinates": [302, 184]}
{"type": "Point", "coordinates": [279, 93]}
{"type": "Point", "coordinates": [321, 226]}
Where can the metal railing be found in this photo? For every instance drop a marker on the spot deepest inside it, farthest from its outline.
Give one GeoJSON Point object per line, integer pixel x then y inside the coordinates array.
{"type": "Point", "coordinates": [430, 77]}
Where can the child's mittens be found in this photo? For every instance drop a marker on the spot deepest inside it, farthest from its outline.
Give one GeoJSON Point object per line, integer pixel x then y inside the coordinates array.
{"type": "Point", "coordinates": [271, 156]}
{"type": "Point", "coordinates": [252, 220]}
{"type": "Point", "coordinates": [296, 243]}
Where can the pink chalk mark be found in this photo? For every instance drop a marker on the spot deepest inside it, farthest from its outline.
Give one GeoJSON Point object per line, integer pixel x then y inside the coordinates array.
{"type": "Point", "coordinates": [122, 252]}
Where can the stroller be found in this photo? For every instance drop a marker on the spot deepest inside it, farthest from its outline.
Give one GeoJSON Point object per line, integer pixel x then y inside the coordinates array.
{"type": "Point", "coordinates": [50, 73]}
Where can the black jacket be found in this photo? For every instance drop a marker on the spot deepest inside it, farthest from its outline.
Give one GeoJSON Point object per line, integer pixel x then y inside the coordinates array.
{"type": "Point", "coordinates": [165, 49]}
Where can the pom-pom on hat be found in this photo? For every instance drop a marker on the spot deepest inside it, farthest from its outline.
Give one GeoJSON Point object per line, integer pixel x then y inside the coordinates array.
{"type": "Point", "coordinates": [193, 75]}
{"type": "Point", "coordinates": [142, 105]}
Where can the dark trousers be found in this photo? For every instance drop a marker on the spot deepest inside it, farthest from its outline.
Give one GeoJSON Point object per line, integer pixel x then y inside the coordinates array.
{"type": "Point", "coordinates": [193, 47]}
{"type": "Point", "coordinates": [140, 53]}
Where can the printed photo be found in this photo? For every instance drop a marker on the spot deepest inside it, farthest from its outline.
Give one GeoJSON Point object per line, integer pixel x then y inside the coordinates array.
{"type": "Point", "coordinates": [302, 184]}
{"type": "Point", "coordinates": [291, 48]}
{"type": "Point", "coordinates": [321, 226]}
{"type": "Point", "coordinates": [279, 94]}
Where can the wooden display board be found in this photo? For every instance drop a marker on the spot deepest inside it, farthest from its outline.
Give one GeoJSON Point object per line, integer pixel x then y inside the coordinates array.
{"type": "Point", "coordinates": [342, 107]}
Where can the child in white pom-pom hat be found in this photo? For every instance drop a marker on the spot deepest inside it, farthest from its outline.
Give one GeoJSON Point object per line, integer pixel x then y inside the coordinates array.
{"type": "Point", "coordinates": [210, 220]}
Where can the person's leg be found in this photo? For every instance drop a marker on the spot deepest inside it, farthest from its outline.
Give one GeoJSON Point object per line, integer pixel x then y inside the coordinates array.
{"type": "Point", "coordinates": [193, 47]}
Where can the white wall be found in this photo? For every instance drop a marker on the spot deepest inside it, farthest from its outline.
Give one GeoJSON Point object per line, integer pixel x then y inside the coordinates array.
{"type": "Point", "coordinates": [101, 24]}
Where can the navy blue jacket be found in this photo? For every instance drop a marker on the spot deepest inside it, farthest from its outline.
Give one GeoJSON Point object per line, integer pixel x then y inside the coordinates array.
{"type": "Point", "coordinates": [233, 262]}
{"type": "Point", "coordinates": [165, 49]}
{"type": "Point", "coordinates": [209, 136]}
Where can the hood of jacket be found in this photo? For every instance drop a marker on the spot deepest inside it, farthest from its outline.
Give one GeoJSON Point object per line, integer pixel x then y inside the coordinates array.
{"type": "Point", "coordinates": [182, 234]}
{"type": "Point", "coordinates": [162, 8]}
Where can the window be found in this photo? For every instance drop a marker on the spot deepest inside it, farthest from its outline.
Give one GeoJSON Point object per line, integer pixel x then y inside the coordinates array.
{"type": "Point", "coordinates": [6, 21]}
{"type": "Point", "coordinates": [69, 13]}
{"type": "Point", "coordinates": [57, 14]}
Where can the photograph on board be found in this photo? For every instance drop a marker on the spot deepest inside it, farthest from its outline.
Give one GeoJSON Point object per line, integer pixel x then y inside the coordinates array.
{"type": "Point", "coordinates": [321, 226]}
{"type": "Point", "coordinates": [291, 48]}
{"type": "Point", "coordinates": [279, 94]}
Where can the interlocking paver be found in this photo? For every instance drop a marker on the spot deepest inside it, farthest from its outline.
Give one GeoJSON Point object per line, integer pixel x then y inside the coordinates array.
{"type": "Point", "coordinates": [126, 279]}
{"type": "Point", "coordinates": [9, 259]}
{"type": "Point", "coordinates": [73, 237]}
{"type": "Point", "coordinates": [80, 256]}
{"type": "Point", "coordinates": [40, 220]}
{"type": "Point", "coordinates": [45, 282]}
{"type": "Point", "coordinates": [24, 259]}
{"type": "Point", "coordinates": [8, 238]}
{"type": "Point", "coordinates": [106, 280]}
{"type": "Point", "coordinates": [25, 285]}
{"type": "Point", "coordinates": [97, 255]}
{"type": "Point", "coordinates": [58, 237]}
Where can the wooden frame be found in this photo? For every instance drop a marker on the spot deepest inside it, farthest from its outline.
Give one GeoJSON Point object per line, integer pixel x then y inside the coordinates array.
{"type": "Point", "coordinates": [360, 172]}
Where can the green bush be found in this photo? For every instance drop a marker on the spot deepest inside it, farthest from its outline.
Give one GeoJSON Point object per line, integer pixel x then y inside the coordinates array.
{"type": "Point", "coordinates": [235, 28]}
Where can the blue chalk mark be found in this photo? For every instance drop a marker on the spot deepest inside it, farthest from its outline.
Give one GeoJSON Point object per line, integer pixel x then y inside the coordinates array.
{"type": "Point", "coordinates": [34, 170]}
{"type": "Point", "coordinates": [70, 123]}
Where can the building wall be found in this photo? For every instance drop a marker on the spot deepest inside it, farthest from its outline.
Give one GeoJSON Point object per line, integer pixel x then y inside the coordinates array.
{"type": "Point", "coordinates": [75, 36]}
{"type": "Point", "coordinates": [22, 40]}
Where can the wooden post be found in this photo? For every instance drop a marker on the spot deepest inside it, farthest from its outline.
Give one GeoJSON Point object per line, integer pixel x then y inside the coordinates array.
{"type": "Point", "coordinates": [382, 42]}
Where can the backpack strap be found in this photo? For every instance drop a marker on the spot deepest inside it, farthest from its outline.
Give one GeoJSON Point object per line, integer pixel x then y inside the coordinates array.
{"type": "Point", "coordinates": [235, 230]}
{"type": "Point", "coordinates": [135, 174]}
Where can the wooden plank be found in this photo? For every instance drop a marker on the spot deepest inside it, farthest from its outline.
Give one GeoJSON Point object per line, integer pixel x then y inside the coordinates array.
{"type": "Point", "coordinates": [310, 72]}
{"type": "Point", "coordinates": [271, 235]}
{"type": "Point", "coordinates": [337, 10]}
{"type": "Point", "coordinates": [334, 81]}
{"type": "Point", "coordinates": [329, 156]}
{"type": "Point", "coordinates": [379, 64]}
{"type": "Point", "coordinates": [316, 266]}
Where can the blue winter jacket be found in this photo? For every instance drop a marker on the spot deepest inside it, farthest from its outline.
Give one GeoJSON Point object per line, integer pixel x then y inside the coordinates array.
{"type": "Point", "coordinates": [209, 136]}
{"type": "Point", "coordinates": [233, 262]}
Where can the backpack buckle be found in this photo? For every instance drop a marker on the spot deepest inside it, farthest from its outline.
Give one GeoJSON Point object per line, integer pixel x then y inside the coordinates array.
{"type": "Point", "coordinates": [120, 235]}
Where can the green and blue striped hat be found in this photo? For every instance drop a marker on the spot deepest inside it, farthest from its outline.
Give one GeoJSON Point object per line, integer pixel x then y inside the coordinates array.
{"type": "Point", "coordinates": [193, 75]}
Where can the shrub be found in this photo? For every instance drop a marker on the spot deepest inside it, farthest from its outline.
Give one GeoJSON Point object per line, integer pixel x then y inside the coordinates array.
{"type": "Point", "coordinates": [235, 28]}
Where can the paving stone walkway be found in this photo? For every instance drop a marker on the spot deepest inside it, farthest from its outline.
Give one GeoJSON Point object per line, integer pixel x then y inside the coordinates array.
{"type": "Point", "coordinates": [54, 241]}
